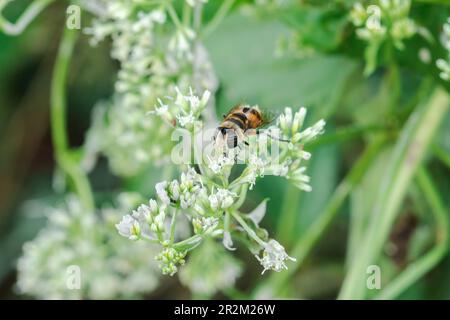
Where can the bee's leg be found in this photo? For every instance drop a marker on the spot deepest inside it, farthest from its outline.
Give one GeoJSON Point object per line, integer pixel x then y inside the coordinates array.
{"type": "Point", "coordinates": [225, 146]}
{"type": "Point", "coordinates": [236, 154]}
{"type": "Point", "coordinates": [276, 138]}
{"type": "Point", "coordinates": [241, 137]}
{"type": "Point", "coordinates": [258, 132]}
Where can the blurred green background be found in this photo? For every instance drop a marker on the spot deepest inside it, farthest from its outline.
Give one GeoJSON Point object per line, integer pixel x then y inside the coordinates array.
{"type": "Point", "coordinates": [246, 54]}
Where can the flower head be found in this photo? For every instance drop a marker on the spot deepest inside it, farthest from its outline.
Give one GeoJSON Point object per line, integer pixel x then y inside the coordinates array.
{"type": "Point", "coordinates": [129, 227]}
{"type": "Point", "coordinates": [274, 257]}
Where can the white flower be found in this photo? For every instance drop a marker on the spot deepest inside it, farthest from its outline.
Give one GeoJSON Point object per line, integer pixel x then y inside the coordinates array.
{"type": "Point", "coordinates": [185, 120]}
{"type": "Point", "coordinates": [162, 192]}
{"type": "Point", "coordinates": [225, 198]}
{"type": "Point", "coordinates": [358, 14]}
{"type": "Point", "coordinates": [205, 225]}
{"type": "Point", "coordinates": [274, 257]}
{"type": "Point", "coordinates": [213, 201]}
{"type": "Point", "coordinates": [216, 164]}
{"type": "Point", "coordinates": [128, 227]}
{"type": "Point", "coordinates": [162, 109]}
{"type": "Point", "coordinates": [310, 133]}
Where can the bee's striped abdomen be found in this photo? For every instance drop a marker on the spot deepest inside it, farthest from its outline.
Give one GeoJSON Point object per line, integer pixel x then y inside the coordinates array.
{"type": "Point", "coordinates": [239, 119]}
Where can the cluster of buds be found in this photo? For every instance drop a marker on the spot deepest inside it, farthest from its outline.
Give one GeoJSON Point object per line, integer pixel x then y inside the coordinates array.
{"type": "Point", "coordinates": [168, 260]}
{"type": "Point", "coordinates": [180, 193]}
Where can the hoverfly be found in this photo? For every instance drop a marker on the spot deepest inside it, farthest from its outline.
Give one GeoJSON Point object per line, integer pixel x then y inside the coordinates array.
{"type": "Point", "coordinates": [239, 122]}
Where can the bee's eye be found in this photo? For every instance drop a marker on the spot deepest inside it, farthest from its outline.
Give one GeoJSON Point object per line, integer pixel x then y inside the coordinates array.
{"type": "Point", "coordinates": [223, 131]}
{"type": "Point", "coordinates": [245, 110]}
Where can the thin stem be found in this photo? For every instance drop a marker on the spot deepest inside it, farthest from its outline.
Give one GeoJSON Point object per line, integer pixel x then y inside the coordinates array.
{"type": "Point", "coordinates": [188, 244]}
{"type": "Point", "coordinates": [198, 15]}
{"type": "Point", "coordinates": [242, 196]}
{"type": "Point", "coordinates": [249, 230]}
{"type": "Point", "coordinates": [172, 225]}
{"type": "Point", "coordinates": [174, 16]}
{"type": "Point", "coordinates": [393, 79]}
{"type": "Point", "coordinates": [218, 17]}
{"type": "Point", "coordinates": [30, 13]}
{"type": "Point", "coordinates": [419, 268]}
{"type": "Point", "coordinates": [277, 282]}
{"type": "Point", "coordinates": [58, 121]}
{"type": "Point", "coordinates": [187, 14]}
{"type": "Point", "coordinates": [407, 156]}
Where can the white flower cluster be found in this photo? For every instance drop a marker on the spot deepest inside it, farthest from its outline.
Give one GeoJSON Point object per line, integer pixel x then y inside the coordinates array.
{"type": "Point", "coordinates": [208, 198]}
{"type": "Point", "coordinates": [387, 18]}
{"type": "Point", "coordinates": [442, 64]}
{"type": "Point", "coordinates": [110, 269]}
{"type": "Point", "coordinates": [145, 221]}
{"type": "Point", "coordinates": [184, 110]}
{"type": "Point", "coordinates": [149, 221]}
{"type": "Point", "coordinates": [381, 21]}
{"type": "Point", "coordinates": [155, 57]}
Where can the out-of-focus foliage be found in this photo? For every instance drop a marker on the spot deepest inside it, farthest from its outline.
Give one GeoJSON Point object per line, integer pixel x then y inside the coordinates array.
{"type": "Point", "coordinates": [372, 69]}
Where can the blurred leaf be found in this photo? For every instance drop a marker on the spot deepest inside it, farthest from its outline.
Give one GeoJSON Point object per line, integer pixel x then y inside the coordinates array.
{"type": "Point", "coordinates": [320, 28]}
{"type": "Point", "coordinates": [242, 51]}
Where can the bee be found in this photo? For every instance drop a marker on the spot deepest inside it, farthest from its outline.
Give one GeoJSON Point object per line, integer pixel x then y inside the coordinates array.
{"type": "Point", "coordinates": [239, 122]}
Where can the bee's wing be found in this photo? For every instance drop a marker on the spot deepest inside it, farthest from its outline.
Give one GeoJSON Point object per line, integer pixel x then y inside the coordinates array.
{"type": "Point", "coordinates": [268, 116]}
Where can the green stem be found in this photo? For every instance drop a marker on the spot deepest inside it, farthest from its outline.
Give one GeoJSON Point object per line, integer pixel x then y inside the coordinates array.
{"type": "Point", "coordinates": [30, 13]}
{"type": "Point", "coordinates": [187, 14]}
{"type": "Point", "coordinates": [242, 196]}
{"type": "Point", "coordinates": [277, 281]}
{"type": "Point", "coordinates": [289, 214]}
{"type": "Point", "coordinates": [393, 80]}
{"type": "Point", "coordinates": [249, 230]}
{"type": "Point", "coordinates": [172, 225]}
{"type": "Point", "coordinates": [218, 17]}
{"type": "Point", "coordinates": [188, 244]}
{"type": "Point", "coordinates": [198, 15]}
{"type": "Point", "coordinates": [58, 122]}
{"type": "Point", "coordinates": [407, 155]}
{"type": "Point", "coordinates": [441, 154]}
{"type": "Point", "coordinates": [174, 16]}
{"type": "Point", "coordinates": [419, 268]}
